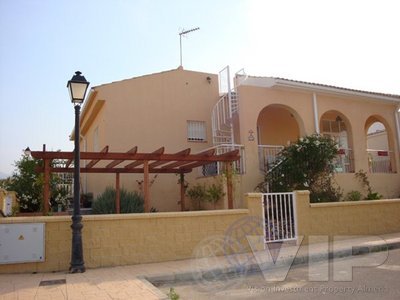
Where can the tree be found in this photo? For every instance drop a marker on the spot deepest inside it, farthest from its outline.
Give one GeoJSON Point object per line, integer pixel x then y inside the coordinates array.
{"type": "Point", "coordinates": [306, 164]}
{"type": "Point", "coordinates": [28, 184]}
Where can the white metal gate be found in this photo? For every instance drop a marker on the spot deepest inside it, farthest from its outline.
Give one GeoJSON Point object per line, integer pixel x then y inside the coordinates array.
{"type": "Point", "coordinates": [279, 217]}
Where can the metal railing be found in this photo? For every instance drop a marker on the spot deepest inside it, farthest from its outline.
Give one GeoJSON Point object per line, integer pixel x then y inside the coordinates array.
{"type": "Point", "coordinates": [217, 168]}
{"type": "Point", "coordinates": [224, 109]}
{"type": "Point", "coordinates": [267, 156]}
{"type": "Point", "coordinates": [221, 118]}
{"type": "Point", "coordinates": [344, 161]}
{"type": "Point", "coordinates": [280, 217]}
{"type": "Point", "coordinates": [380, 161]}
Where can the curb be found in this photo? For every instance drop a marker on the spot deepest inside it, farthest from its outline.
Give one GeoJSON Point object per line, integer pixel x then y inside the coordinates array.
{"type": "Point", "coordinates": [161, 279]}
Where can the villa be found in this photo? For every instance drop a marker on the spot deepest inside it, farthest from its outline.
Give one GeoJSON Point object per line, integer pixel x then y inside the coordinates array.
{"type": "Point", "coordinates": [258, 116]}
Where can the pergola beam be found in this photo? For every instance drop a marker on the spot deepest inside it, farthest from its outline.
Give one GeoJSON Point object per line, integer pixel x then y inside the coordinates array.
{"type": "Point", "coordinates": [220, 157]}
{"type": "Point", "coordinates": [140, 162]}
{"type": "Point", "coordinates": [95, 161]}
{"type": "Point", "coordinates": [159, 163]}
{"type": "Point", "coordinates": [116, 170]}
{"type": "Point", "coordinates": [132, 156]}
{"type": "Point", "coordinates": [117, 162]}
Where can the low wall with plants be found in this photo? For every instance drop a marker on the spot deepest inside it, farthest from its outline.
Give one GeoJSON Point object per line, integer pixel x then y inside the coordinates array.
{"type": "Point", "coordinates": [123, 239]}
{"type": "Point", "coordinates": [369, 217]}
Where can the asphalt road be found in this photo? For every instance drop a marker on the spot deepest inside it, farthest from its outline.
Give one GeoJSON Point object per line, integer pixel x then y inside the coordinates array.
{"type": "Point", "coordinates": [373, 282]}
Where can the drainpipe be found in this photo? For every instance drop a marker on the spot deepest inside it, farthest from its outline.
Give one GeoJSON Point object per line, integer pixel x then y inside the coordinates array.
{"type": "Point", "coordinates": [315, 107]}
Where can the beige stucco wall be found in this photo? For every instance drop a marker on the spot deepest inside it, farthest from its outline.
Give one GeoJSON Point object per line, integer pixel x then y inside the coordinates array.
{"type": "Point", "coordinates": [372, 217]}
{"type": "Point", "coordinates": [356, 111]}
{"type": "Point", "coordinates": [150, 112]}
{"type": "Point", "coordinates": [112, 240]}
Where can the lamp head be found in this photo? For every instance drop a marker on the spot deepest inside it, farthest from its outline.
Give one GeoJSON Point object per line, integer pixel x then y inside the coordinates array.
{"type": "Point", "coordinates": [77, 88]}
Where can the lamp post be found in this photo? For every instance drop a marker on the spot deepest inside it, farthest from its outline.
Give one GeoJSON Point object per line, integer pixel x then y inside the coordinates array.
{"type": "Point", "coordinates": [77, 87]}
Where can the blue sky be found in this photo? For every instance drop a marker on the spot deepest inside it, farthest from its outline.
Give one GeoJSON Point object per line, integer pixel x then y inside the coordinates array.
{"type": "Point", "coordinates": [345, 43]}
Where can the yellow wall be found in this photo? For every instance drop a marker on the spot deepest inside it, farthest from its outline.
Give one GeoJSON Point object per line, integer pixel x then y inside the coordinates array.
{"type": "Point", "coordinates": [372, 217]}
{"type": "Point", "coordinates": [112, 240]}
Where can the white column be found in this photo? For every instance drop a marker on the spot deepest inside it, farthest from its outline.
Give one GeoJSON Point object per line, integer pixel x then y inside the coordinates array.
{"type": "Point", "coordinates": [315, 107]}
{"type": "Point", "coordinates": [397, 119]}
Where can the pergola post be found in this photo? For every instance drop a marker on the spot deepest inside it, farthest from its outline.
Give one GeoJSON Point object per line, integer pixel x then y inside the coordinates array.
{"type": "Point", "coordinates": [182, 182]}
{"type": "Point", "coordinates": [229, 184]}
{"type": "Point", "coordinates": [117, 195]}
{"type": "Point", "coordinates": [46, 186]}
{"type": "Point", "coordinates": [146, 188]}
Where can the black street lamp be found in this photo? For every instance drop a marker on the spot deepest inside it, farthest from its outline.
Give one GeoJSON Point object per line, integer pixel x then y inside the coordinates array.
{"type": "Point", "coordinates": [77, 87]}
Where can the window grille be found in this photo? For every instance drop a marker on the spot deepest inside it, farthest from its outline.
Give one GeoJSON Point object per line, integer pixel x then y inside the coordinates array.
{"type": "Point", "coordinates": [196, 131]}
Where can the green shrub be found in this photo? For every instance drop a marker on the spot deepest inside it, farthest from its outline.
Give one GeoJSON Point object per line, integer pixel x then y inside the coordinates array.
{"type": "Point", "coordinates": [363, 178]}
{"type": "Point", "coordinates": [214, 193]}
{"type": "Point", "coordinates": [130, 202]}
{"type": "Point", "coordinates": [373, 196]}
{"type": "Point", "coordinates": [307, 164]}
{"type": "Point", "coordinates": [197, 193]}
{"type": "Point", "coordinates": [353, 196]}
{"type": "Point", "coordinates": [172, 294]}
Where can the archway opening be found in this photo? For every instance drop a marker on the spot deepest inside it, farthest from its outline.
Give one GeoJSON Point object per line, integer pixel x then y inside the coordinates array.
{"type": "Point", "coordinates": [335, 125]}
{"type": "Point", "coordinates": [380, 156]}
{"type": "Point", "coordinates": [277, 127]}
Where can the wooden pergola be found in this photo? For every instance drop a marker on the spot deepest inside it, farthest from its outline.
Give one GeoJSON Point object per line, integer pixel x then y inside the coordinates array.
{"type": "Point", "coordinates": [157, 161]}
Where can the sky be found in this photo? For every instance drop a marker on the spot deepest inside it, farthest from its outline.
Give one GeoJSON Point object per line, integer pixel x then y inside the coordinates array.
{"type": "Point", "coordinates": [346, 43]}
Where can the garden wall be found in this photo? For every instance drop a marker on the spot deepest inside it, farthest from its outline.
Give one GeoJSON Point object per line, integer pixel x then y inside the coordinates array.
{"type": "Point", "coordinates": [113, 240]}
{"type": "Point", "coordinates": [370, 217]}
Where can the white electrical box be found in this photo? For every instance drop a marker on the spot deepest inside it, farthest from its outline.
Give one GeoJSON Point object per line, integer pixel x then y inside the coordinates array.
{"type": "Point", "coordinates": [20, 243]}
{"type": "Point", "coordinates": [7, 206]}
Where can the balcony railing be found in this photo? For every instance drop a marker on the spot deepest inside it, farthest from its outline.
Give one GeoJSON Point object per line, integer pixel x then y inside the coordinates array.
{"type": "Point", "coordinates": [217, 168]}
{"type": "Point", "coordinates": [344, 161]}
{"type": "Point", "coordinates": [380, 161]}
{"type": "Point", "coordinates": [267, 156]}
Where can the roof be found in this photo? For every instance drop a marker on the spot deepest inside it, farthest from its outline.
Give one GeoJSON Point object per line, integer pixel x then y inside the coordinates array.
{"type": "Point", "coordinates": [180, 68]}
{"type": "Point", "coordinates": [278, 81]}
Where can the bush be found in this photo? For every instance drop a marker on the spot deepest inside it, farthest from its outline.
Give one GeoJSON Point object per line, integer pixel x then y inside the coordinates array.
{"type": "Point", "coordinates": [363, 178]}
{"type": "Point", "coordinates": [197, 193]}
{"type": "Point", "coordinates": [131, 202]}
{"type": "Point", "coordinates": [214, 193]}
{"type": "Point", "coordinates": [307, 164]}
{"type": "Point", "coordinates": [353, 196]}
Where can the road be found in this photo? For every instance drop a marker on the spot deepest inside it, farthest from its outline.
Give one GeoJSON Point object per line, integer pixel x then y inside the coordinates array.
{"type": "Point", "coordinates": [377, 282]}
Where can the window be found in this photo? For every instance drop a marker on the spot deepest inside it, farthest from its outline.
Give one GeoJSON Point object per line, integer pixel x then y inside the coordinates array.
{"type": "Point", "coordinates": [196, 131]}
{"type": "Point", "coordinates": [334, 127]}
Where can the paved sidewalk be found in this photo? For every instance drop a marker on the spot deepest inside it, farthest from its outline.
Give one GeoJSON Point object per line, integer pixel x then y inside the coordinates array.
{"type": "Point", "coordinates": [130, 282]}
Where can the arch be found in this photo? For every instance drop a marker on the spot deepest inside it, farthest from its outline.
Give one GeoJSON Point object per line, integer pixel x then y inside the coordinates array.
{"type": "Point", "coordinates": [337, 126]}
{"type": "Point", "coordinates": [379, 145]}
{"type": "Point", "coordinates": [277, 126]}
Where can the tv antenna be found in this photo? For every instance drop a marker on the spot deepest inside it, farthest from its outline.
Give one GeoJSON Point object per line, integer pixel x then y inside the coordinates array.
{"type": "Point", "coordinates": [184, 32]}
